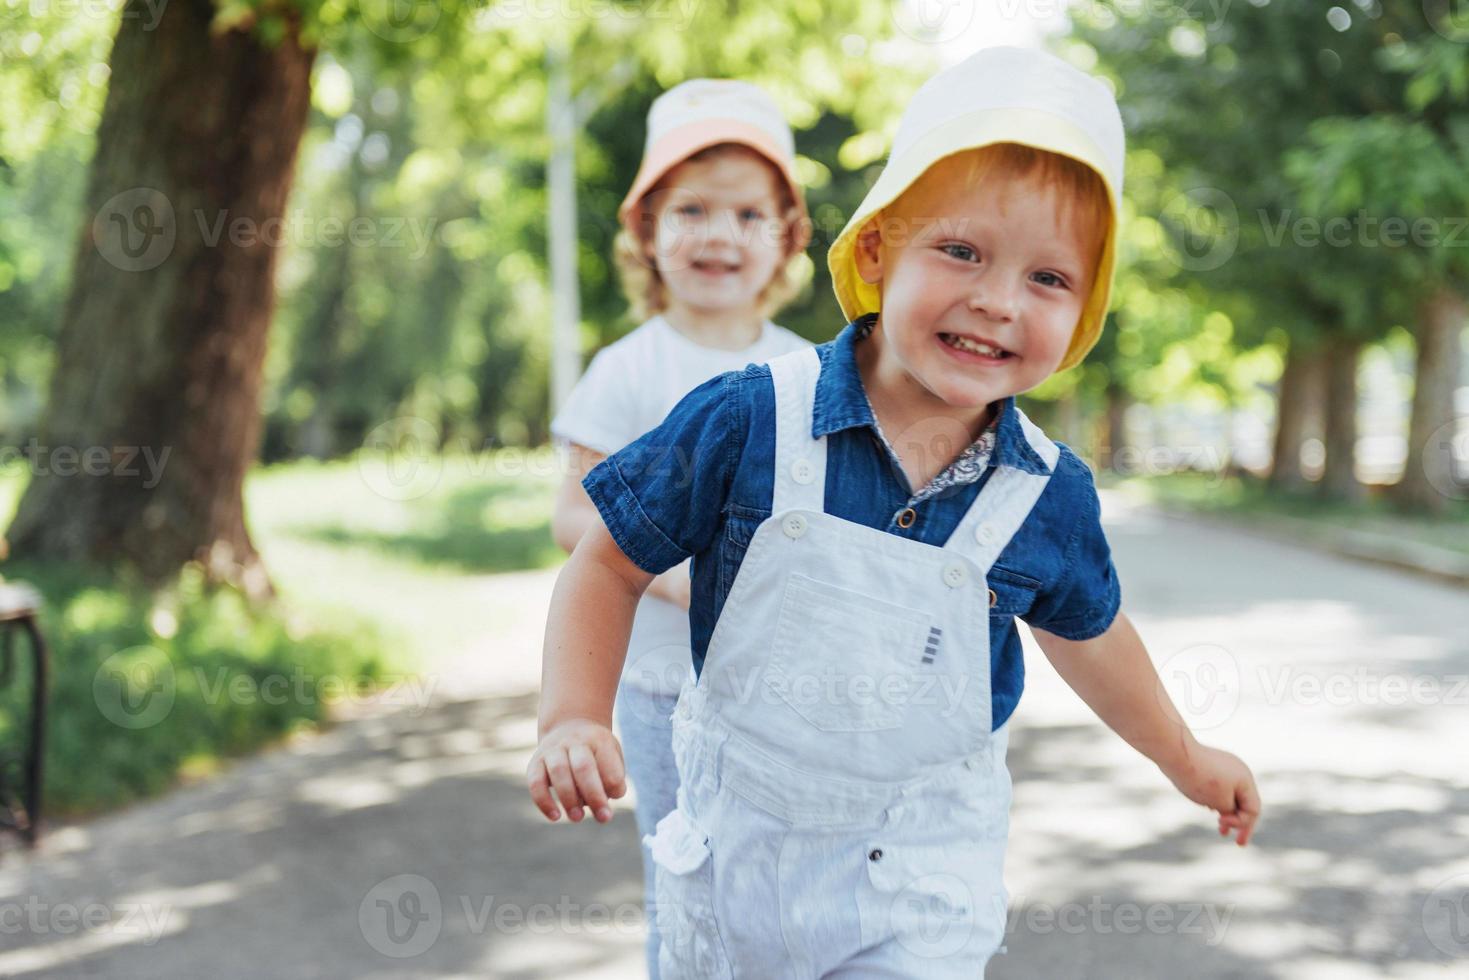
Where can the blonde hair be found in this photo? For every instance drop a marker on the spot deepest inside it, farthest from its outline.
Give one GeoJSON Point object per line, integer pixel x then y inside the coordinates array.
{"type": "Point", "coordinates": [644, 288]}
{"type": "Point", "coordinates": [1079, 189]}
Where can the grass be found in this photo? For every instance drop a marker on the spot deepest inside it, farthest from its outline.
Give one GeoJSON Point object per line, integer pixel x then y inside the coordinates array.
{"type": "Point", "coordinates": [1247, 496]}
{"type": "Point", "coordinates": [376, 576]}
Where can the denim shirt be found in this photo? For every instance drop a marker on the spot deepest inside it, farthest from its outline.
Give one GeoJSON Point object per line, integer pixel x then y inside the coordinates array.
{"type": "Point", "coordinates": [701, 483]}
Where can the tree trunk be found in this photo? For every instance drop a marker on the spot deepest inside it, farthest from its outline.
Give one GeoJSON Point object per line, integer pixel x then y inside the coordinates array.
{"type": "Point", "coordinates": [1116, 423]}
{"type": "Point", "coordinates": [1298, 389]}
{"type": "Point", "coordinates": [1339, 480]}
{"type": "Point", "coordinates": [153, 416]}
{"type": "Point", "coordinates": [1429, 479]}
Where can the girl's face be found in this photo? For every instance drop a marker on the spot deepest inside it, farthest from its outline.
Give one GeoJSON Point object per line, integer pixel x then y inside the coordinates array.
{"type": "Point", "coordinates": [719, 234]}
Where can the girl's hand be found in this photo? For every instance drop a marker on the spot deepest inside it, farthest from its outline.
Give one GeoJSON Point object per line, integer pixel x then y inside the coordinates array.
{"type": "Point", "coordinates": [1223, 783]}
{"type": "Point", "coordinates": [580, 762]}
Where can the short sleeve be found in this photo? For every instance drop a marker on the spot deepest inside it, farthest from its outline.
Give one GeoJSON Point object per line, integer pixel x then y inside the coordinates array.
{"type": "Point", "coordinates": [601, 413]}
{"type": "Point", "coordinates": [1084, 599]}
{"type": "Point", "coordinates": [662, 495]}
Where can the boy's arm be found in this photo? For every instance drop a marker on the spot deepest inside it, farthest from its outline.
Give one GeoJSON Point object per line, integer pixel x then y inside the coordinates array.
{"type": "Point", "coordinates": [1113, 674]}
{"type": "Point", "coordinates": [578, 760]}
{"type": "Point", "coordinates": [575, 514]}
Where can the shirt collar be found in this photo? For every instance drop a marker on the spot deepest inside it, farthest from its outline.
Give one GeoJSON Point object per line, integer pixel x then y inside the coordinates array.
{"type": "Point", "coordinates": [841, 403]}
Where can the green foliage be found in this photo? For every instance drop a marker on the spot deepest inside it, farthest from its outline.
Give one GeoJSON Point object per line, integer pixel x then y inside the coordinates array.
{"type": "Point", "coordinates": [147, 685]}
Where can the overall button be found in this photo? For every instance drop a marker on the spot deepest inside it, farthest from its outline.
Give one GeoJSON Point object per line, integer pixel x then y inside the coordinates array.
{"type": "Point", "coordinates": [993, 598]}
{"type": "Point", "coordinates": [794, 525]}
{"type": "Point", "coordinates": [955, 574]}
{"type": "Point", "coordinates": [907, 516]}
{"type": "Point", "coordinates": [802, 471]}
{"type": "Point", "coordinates": [984, 532]}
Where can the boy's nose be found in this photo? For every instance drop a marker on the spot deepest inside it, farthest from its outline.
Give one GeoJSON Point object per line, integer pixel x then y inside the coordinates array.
{"type": "Point", "coordinates": [994, 299]}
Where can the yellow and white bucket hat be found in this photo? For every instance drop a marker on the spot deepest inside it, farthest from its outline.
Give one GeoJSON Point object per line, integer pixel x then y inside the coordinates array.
{"type": "Point", "coordinates": [998, 95]}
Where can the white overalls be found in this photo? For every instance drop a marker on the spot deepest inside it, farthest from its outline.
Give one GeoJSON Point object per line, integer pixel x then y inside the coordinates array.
{"type": "Point", "coordinates": [843, 806]}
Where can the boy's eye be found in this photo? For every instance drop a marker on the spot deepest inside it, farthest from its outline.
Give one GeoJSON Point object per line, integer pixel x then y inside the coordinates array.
{"type": "Point", "coordinates": [1050, 279]}
{"type": "Point", "coordinates": [961, 252]}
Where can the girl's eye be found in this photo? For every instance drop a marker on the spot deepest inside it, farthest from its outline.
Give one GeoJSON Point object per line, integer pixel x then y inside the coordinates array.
{"type": "Point", "coordinates": [1050, 279]}
{"type": "Point", "coordinates": [690, 210]}
{"type": "Point", "coordinates": [961, 252]}
{"type": "Point", "coordinates": [751, 214]}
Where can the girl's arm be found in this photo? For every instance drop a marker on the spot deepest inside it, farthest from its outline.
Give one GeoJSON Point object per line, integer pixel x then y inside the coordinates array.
{"type": "Point", "coordinates": [575, 514]}
{"type": "Point", "coordinates": [578, 760]}
{"type": "Point", "coordinates": [1113, 674]}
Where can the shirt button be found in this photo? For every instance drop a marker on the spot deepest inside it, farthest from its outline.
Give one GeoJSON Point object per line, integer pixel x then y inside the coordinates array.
{"type": "Point", "coordinates": [984, 532]}
{"type": "Point", "coordinates": [955, 574]}
{"type": "Point", "coordinates": [907, 516]}
{"type": "Point", "coordinates": [875, 854]}
{"type": "Point", "coordinates": [794, 525]}
{"type": "Point", "coordinates": [802, 471]}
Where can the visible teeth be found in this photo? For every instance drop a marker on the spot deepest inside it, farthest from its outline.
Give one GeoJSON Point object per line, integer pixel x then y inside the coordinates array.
{"type": "Point", "coordinates": [974, 346]}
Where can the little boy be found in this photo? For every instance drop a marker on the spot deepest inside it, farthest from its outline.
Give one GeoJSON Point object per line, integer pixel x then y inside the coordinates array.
{"type": "Point", "coordinates": [866, 520]}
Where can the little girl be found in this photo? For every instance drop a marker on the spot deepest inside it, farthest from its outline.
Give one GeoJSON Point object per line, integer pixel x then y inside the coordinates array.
{"type": "Point", "coordinates": [711, 225]}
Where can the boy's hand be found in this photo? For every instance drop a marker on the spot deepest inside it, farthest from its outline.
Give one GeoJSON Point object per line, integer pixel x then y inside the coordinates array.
{"type": "Point", "coordinates": [580, 762]}
{"type": "Point", "coordinates": [1223, 783]}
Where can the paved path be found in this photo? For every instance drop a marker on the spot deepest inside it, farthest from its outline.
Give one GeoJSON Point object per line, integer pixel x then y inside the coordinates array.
{"type": "Point", "coordinates": [401, 843]}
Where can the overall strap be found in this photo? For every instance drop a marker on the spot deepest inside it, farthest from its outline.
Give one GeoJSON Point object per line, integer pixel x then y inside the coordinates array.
{"type": "Point", "coordinates": [800, 461]}
{"type": "Point", "coordinates": [1004, 502]}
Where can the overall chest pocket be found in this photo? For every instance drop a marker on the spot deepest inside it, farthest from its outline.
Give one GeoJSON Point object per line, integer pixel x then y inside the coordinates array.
{"type": "Point", "coordinates": [844, 661]}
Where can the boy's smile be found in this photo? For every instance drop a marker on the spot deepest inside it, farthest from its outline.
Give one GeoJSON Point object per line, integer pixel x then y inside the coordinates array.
{"type": "Point", "coordinates": [982, 286]}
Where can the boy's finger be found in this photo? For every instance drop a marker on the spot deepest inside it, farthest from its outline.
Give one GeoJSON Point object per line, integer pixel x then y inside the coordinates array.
{"type": "Point", "coordinates": [589, 781]}
{"type": "Point", "coordinates": [540, 788]}
{"type": "Point", "coordinates": [564, 784]}
{"type": "Point", "coordinates": [614, 771]}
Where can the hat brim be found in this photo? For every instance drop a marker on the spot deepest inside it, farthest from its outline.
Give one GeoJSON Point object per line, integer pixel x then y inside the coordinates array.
{"type": "Point", "coordinates": [985, 127]}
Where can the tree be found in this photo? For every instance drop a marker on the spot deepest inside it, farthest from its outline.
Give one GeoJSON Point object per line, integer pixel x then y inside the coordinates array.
{"type": "Point", "coordinates": [164, 330]}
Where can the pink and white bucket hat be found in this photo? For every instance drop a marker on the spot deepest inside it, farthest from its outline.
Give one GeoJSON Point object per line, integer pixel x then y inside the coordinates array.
{"type": "Point", "coordinates": [703, 112]}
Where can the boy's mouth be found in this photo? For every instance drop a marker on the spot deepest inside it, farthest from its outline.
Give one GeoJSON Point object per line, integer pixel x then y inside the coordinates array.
{"type": "Point", "coordinates": [971, 345]}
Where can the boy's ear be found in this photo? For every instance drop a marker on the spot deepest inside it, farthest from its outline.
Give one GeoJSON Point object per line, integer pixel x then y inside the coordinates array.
{"type": "Point", "coordinates": [867, 251]}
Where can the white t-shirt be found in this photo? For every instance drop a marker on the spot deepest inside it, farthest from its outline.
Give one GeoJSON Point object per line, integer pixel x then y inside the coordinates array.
{"type": "Point", "coordinates": [628, 389]}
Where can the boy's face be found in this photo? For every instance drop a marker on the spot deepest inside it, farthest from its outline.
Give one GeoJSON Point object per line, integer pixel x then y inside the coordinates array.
{"type": "Point", "coordinates": [719, 232]}
{"type": "Point", "coordinates": [981, 287]}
